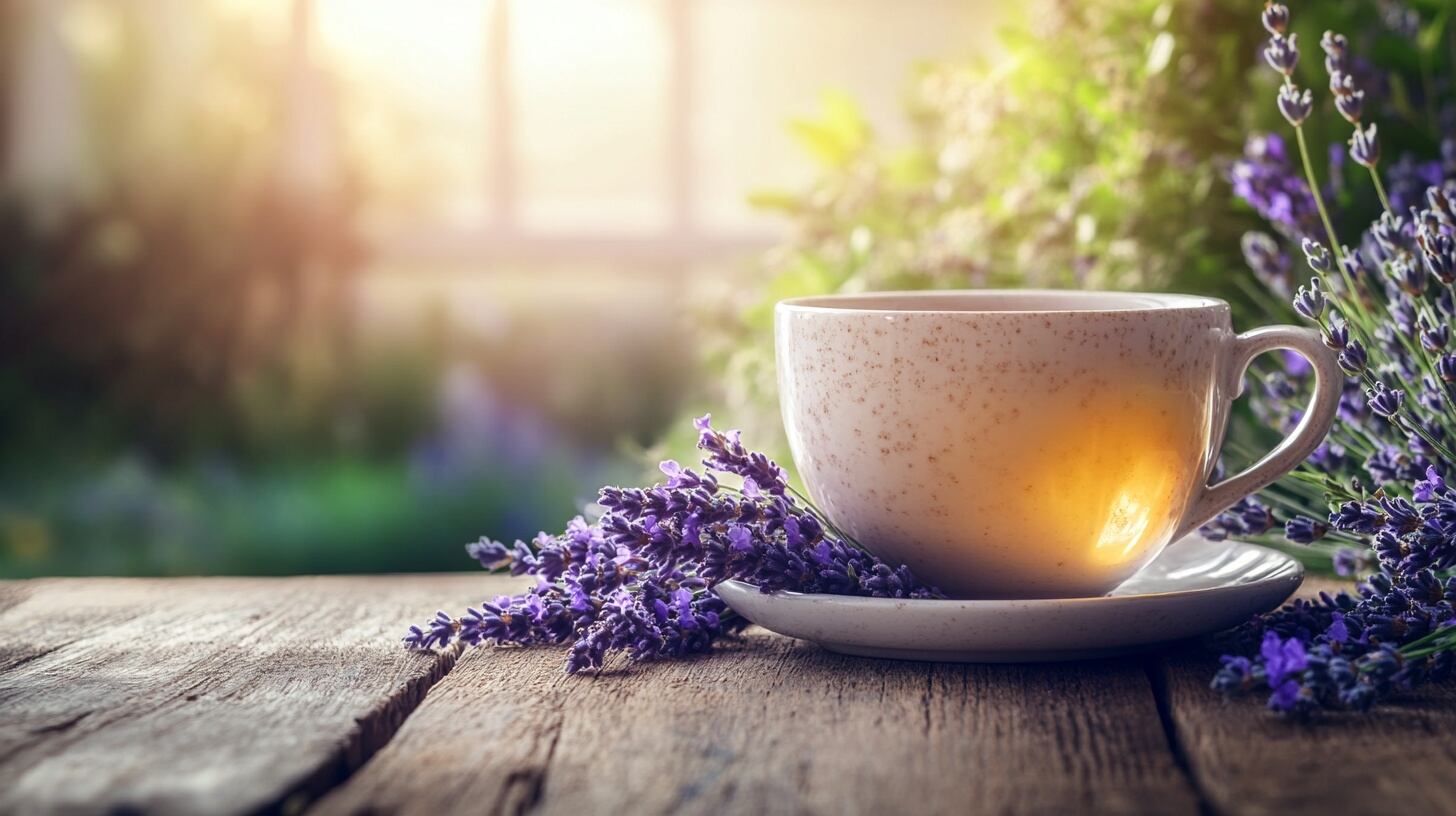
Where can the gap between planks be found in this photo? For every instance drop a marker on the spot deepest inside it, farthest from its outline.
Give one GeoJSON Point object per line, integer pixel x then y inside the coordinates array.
{"type": "Point", "coordinates": [772, 725]}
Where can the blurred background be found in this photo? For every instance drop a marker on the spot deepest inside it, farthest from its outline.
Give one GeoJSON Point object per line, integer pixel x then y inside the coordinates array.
{"type": "Point", "coordinates": [338, 285]}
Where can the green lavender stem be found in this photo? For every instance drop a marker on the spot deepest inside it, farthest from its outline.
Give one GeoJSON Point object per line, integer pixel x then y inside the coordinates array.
{"type": "Point", "coordinates": [1380, 191]}
{"type": "Point", "coordinates": [1319, 200]}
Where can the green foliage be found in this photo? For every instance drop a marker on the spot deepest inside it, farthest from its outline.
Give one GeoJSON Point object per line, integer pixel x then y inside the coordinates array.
{"type": "Point", "coordinates": [1087, 154]}
{"type": "Point", "coordinates": [127, 517]}
{"type": "Point", "coordinates": [198, 370]}
{"type": "Point", "coordinates": [181, 279]}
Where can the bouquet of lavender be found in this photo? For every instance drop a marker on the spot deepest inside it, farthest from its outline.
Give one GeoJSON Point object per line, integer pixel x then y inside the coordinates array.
{"type": "Point", "coordinates": [640, 579]}
{"type": "Point", "coordinates": [1374, 497]}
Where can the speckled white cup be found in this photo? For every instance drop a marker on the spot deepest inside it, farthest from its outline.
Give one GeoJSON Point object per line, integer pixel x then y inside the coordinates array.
{"type": "Point", "coordinates": [1025, 444]}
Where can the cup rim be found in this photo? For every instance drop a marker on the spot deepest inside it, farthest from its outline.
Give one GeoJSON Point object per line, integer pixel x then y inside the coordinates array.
{"type": "Point", "coordinates": [999, 302]}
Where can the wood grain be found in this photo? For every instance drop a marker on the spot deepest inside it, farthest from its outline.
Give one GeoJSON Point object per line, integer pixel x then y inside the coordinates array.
{"type": "Point", "coordinates": [1245, 759]}
{"type": "Point", "coordinates": [770, 725]}
{"type": "Point", "coordinates": [246, 695]}
{"type": "Point", "coordinates": [203, 695]}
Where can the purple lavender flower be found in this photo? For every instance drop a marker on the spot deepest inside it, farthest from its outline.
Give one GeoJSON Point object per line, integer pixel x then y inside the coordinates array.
{"type": "Point", "coordinates": [1269, 263]}
{"type": "Point", "coordinates": [1385, 401]}
{"type": "Point", "coordinates": [1353, 359]}
{"type": "Point", "coordinates": [1337, 333]}
{"type": "Point", "coordinates": [640, 580]}
{"type": "Point", "coordinates": [1431, 487]}
{"type": "Point", "coordinates": [1316, 255]}
{"type": "Point", "coordinates": [1284, 660]}
{"type": "Point", "coordinates": [1349, 562]}
{"type": "Point", "coordinates": [725, 452]}
{"type": "Point", "coordinates": [1266, 180]}
{"type": "Point", "coordinates": [1310, 302]}
{"type": "Point", "coordinates": [1349, 100]}
{"type": "Point", "coordinates": [1435, 338]}
{"type": "Point", "coordinates": [1365, 145]}
{"type": "Point", "coordinates": [1335, 47]}
{"type": "Point", "coordinates": [1304, 530]}
{"type": "Point", "coordinates": [1249, 517]}
{"type": "Point", "coordinates": [1282, 53]}
{"type": "Point", "coordinates": [490, 553]}
{"type": "Point", "coordinates": [1409, 274]}
{"type": "Point", "coordinates": [1275, 19]}
{"type": "Point", "coordinates": [1294, 103]}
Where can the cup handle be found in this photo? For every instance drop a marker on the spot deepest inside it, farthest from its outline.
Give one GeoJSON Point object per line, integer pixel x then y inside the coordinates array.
{"type": "Point", "coordinates": [1318, 417]}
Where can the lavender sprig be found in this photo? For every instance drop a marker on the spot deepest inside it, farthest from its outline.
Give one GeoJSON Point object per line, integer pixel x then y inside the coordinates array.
{"type": "Point", "coordinates": [1282, 54]}
{"type": "Point", "coordinates": [640, 579]}
{"type": "Point", "coordinates": [1386, 305]}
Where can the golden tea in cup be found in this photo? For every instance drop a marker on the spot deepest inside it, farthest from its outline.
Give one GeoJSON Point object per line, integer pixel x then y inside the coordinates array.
{"type": "Point", "coordinates": [1025, 444]}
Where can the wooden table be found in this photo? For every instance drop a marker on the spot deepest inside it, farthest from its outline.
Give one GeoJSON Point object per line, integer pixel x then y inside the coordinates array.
{"type": "Point", "coordinates": [239, 694]}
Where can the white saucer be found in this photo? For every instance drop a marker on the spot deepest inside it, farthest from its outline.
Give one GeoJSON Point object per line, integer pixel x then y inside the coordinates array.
{"type": "Point", "coordinates": [1194, 587]}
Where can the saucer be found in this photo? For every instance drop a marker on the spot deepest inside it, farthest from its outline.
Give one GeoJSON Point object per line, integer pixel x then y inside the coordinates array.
{"type": "Point", "coordinates": [1194, 587]}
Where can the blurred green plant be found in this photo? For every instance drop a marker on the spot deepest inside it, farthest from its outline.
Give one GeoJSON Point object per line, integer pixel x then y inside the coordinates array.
{"type": "Point", "coordinates": [1086, 154]}
{"type": "Point", "coordinates": [181, 277]}
{"type": "Point", "coordinates": [129, 517]}
{"type": "Point", "coordinates": [186, 383]}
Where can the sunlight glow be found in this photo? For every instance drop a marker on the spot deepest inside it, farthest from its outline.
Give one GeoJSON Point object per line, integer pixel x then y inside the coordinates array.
{"type": "Point", "coordinates": [415, 106]}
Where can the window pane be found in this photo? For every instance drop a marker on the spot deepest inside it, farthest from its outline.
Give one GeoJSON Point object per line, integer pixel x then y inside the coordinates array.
{"type": "Point", "coordinates": [590, 96]}
{"type": "Point", "coordinates": [413, 105]}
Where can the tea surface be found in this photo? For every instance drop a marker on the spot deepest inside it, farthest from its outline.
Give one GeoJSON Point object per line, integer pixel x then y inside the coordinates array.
{"type": "Point", "coordinates": [1065, 491]}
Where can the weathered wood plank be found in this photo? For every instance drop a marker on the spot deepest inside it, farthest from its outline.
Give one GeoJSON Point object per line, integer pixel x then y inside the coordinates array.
{"type": "Point", "coordinates": [769, 725]}
{"type": "Point", "coordinates": [203, 695]}
{"type": "Point", "coordinates": [1247, 760]}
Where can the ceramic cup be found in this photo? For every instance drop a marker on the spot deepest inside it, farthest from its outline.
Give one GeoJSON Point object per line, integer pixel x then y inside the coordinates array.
{"type": "Point", "coordinates": [1025, 444]}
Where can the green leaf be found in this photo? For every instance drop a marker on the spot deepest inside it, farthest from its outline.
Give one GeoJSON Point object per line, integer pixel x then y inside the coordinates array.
{"type": "Point", "coordinates": [1430, 36]}
{"type": "Point", "coordinates": [839, 133]}
{"type": "Point", "coordinates": [776, 201]}
{"type": "Point", "coordinates": [910, 167]}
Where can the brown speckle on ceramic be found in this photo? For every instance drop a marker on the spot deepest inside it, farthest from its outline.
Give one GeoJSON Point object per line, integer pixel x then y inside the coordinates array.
{"type": "Point", "coordinates": [1022, 444]}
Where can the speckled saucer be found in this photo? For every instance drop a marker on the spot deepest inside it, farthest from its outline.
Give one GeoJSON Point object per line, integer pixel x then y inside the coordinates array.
{"type": "Point", "coordinates": [1194, 587]}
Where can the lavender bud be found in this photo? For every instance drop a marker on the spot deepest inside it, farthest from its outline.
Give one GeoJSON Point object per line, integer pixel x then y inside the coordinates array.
{"type": "Point", "coordinates": [1275, 18]}
{"type": "Point", "coordinates": [1384, 401]}
{"type": "Point", "coordinates": [1425, 220]}
{"type": "Point", "coordinates": [1446, 367]}
{"type": "Point", "coordinates": [1349, 100]}
{"type": "Point", "coordinates": [1402, 315]}
{"type": "Point", "coordinates": [1268, 262]}
{"type": "Point", "coordinates": [1353, 359]}
{"type": "Point", "coordinates": [1440, 203]}
{"type": "Point", "coordinates": [1311, 302]}
{"type": "Point", "coordinates": [1295, 104]}
{"type": "Point", "coordinates": [1365, 145]}
{"type": "Point", "coordinates": [1389, 231]}
{"type": "Point", "coordinates": [1255, 517]}
{"type": "Point", "coordinates": [1441, 265]}
{"type": "Point", "coordinates": [1353, 265]}
{"type": "Point", "coordinates": [1316, 254]}
{"type": "Point", "coordinates": [1409, 275]}
{"type": "Point", "coordinates": [1356, 517]}
{"type": "Point", "coordinates": [1302, 530]}
{"type": "Point", "coordinates": [1282, 53]}
{"type": "Point", "coordinates": [1348, 562]}
{"type": "Point", "coordinates": [491, 554]}
{"type": "Point", "coordinates": [1337, 333]}
{"type": "Point", "coordinates": [1436, 339]}
{"type": "Point", "coordinates": [1438, 248]}
{"type": "Point", "coordinates": [1351, 106]}
{"type": "Point", "coordinates": [1335, 47]}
